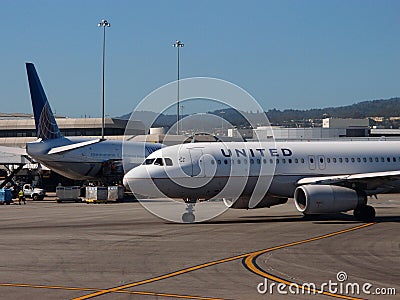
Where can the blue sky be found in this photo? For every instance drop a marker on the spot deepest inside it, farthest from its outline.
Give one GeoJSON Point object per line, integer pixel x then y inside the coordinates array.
{"type": "Point", "coordinates": [287, 54]}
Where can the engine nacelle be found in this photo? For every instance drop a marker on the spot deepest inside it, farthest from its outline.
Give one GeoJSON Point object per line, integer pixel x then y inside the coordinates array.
{"type": "Point", "coordinates": [325, 199]}
{"type": "Point", "coordinates": [243, 202]}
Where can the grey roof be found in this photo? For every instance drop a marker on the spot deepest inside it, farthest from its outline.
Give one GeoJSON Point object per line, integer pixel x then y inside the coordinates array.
{"type": "Point", "coordinates": [27, 122]}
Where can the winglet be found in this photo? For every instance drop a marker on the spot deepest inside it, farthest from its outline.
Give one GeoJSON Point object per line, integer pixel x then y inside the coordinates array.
{"type": "Point", "coordinates": [46, 126]}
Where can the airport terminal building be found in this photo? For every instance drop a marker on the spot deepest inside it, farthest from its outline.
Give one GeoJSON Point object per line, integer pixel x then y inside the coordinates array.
{"type": "Point", "coordinates": [18, 129]}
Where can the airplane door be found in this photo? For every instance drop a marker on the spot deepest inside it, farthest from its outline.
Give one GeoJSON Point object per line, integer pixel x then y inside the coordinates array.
{"type": "Point", "coordinates": [196, 155]}
{"type": "Point", "coordinates": [321, 162]}
{"type": "Point", "coordinates": [311, 162]}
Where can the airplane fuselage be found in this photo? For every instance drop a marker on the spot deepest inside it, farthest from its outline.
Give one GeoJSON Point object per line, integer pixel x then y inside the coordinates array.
{"type": "Point", "coordinates": [206, 170]}
{"type": "Point", "coordinates": [93, 161]}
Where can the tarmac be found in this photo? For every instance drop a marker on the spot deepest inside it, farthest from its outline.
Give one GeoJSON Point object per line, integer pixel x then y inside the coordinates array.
{"type": "Point", "coordinates": [121, 251]}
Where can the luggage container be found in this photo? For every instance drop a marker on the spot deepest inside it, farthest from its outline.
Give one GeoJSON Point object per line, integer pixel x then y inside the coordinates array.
{"type": "Point", "coordinates": [68, 193]}
{"type": "Point", "coordinates": [115, 193]}
{"type": "Point", "coordinates": [96, 194]}
{"type": "Point", "coordinates": [5, 196]}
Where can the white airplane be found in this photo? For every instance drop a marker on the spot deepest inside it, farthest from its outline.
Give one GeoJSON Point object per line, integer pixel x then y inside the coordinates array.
{"type": "Point", "coordinates": [77, 158]}
{"type": "Point", "coordinates": [322, 176]}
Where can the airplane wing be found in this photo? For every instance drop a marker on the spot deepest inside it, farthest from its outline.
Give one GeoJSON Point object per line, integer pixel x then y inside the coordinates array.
{"type": "Point", "coordinates": [73, 146]}
{"type": "Point", "coordinates": [369, 182]}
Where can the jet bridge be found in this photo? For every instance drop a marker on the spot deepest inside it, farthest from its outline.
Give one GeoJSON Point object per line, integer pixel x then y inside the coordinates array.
{"type": "Point", "coordinates": [13, 163]}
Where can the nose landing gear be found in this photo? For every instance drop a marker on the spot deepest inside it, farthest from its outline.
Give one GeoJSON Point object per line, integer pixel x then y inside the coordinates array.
{"type": "Point", "coordinates": [188, 216]}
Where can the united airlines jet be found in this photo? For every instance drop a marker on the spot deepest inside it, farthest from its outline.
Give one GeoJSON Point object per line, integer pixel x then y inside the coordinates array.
{"type": "Point", "coordinates": [322, 176]}
{"type": "Point", "coordinates": [77, 158]}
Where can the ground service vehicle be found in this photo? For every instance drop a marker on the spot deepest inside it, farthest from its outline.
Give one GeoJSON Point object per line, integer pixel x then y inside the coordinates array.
{"type": "Point", "coordinates": [34, 193]}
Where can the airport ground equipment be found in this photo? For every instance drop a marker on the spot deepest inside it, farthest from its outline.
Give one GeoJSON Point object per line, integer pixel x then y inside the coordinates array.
{"type": "Point", "coordinates": [96, 194]}
{"type": "Point", "coordinates": [34, 193]}
{"type": "Point", "coordinates": [115, 193]}
{"type": "Point", "coordinates": [13, 159]}
{"type": "Point", "coordinates": [5, 196]}
{"type": "Point", "coordinates": [68, 193]}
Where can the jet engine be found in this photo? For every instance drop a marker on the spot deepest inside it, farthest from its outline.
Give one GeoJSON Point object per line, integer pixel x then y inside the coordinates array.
{"type": "Point", "coordinates": [243, 202]}
{"type": "Point", "coordinates": [325, 199]}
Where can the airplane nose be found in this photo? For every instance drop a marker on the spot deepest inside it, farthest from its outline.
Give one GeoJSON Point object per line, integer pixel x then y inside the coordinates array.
{"type": "Point", "coordinates": [139, 181]}
{"type": "Point", "coordinates": [125, 183]}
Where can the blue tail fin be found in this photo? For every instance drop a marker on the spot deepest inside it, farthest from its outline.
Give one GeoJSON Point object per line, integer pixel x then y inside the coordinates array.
{"type": "Point", "coordinates": [46, 126]}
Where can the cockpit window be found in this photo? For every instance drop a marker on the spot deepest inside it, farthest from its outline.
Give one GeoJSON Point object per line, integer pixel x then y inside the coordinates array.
{"type": "Point", "coordinates": [149, 161]}
{"type": "Point", "coordinates": [159, 162]}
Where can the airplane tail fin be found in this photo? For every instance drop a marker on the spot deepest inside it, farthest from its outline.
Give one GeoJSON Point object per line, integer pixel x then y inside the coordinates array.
{"type": "Point", "coordinates": [46, 126]}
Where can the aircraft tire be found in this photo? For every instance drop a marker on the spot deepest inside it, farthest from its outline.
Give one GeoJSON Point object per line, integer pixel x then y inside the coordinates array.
{"type": "Point", "coordinates": [188, 218]}
{"type": "Point", "coordinates": [365, 213]}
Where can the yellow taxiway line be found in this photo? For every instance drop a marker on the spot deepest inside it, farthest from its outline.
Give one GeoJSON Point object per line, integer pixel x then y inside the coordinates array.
{"type": "Point", "coordinates": [144, 293]}
{"type": "Point", "coordinates": [249, 259]}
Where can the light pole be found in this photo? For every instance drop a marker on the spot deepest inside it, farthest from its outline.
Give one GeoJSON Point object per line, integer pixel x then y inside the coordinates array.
{"type": "Point", "coordinates": [103, 24]}
{"type": "Point", "coordinates": [178, 45]}
{"type": "Point", "coordinates": [183, 115]}
{"type": "Point", "coordinates": [222, 122]}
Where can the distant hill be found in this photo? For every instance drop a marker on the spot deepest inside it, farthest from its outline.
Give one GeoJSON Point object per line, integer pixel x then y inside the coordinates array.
{"type": "Point", "coordinates": [381, 108]}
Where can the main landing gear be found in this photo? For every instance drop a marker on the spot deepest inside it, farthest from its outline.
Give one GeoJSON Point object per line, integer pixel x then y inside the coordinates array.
{"type": "Point", "coordinates": [364, 213]}
{"type": "Point", "coordinates": [188, 216]}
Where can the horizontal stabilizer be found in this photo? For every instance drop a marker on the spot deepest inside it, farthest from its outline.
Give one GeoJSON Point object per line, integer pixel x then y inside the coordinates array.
{"type": "Point", "coordinates": [70, 147]}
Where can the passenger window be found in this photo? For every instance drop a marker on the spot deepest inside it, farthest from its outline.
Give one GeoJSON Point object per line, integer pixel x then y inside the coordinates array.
{"type": "Point", "coordinates": [290, 160]}
{"type": "Point", "coordinates": [264, 161]}
{"type": "Point", "coordinates": [370, 159]}
{"type": "Point", "coordinates": [388, 159]}
{"type": "Point", "coordinates": [334, 160]}
{"type": "Point", "coordinates": [212, 162]}
{"type": "Point", "coordinates": [302, 160]}
{"type": "Point", "coordinates": [258, 161]}
{"type": "Point", "coordinates": [296, 160]}
{"type": "Point", "coordinates": [283, 160]}
{"type": "Point", "coordinates": [252, 161]}
{"type": "Point", "coordinates": [225, 161]}
{"type": "Point", "coordinates": [352, 159]}
{"type": "Point", "coordinates": [394, 159]}
{"type": "Point", "coordinates": [219, 161]}
{"type": "Point", "coordinates": [358, 159]}
{"type": "Point", "coordinates": [238, 161]}
{"type": "Point", "coordinates": [271, 161]}
{"type": "Point", "coordinates": [245, 161]}
{"type": "Point", "coordinates": [312, 160]}
{"type": "Point", "coordinates": [328, 160]}
{"type": "Point", "coordinates": [149, 161]}
{"type": "Point", "coordinates": [168, 161]}
{"type": "Point", "coordinates": [321, 160]}
{"type": "Point", "coordinates": [376, 159]}
{"type": "Point", "coordinates": [277, 160]}
{"type": "Point", "coordinates": [159, 162]}
{"type": "Point", "coordinates": [340, 159]}
{"type": "Point", "coordinates": [364, 159]}
{"type": "Point", "coordinates": [382, 159]}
